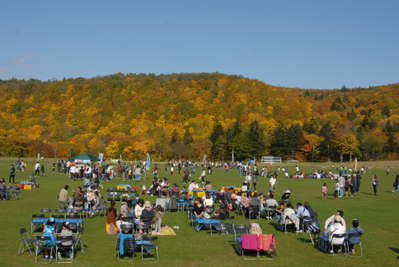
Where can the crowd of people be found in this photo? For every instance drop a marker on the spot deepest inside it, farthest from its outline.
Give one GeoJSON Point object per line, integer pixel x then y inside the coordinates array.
{"type": "Point", "coordinates": [247, 200]}
{"type": "Point", "coordinates": [86, 199]}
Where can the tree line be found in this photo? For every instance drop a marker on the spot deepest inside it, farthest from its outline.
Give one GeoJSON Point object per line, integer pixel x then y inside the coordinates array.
{"type": "Point", "coordinates": [196, 114]}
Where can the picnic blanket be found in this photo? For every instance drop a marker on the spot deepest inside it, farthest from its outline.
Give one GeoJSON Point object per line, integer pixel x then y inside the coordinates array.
{"type": "Point", "coordinates": [166, 230]}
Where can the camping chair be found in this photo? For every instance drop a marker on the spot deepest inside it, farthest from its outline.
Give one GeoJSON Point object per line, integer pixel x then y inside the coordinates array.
{"type": "Point", "coordinates": [78, 243]}
{"type": "Point", "coordinates": [14, 193]}
{"type": "Point", "coordinates": [127, 228]}
{"type": "Point", "coordinates": [37, 224]}
{"type": "Point", "coordinates": [227, 228]}
{"type": "Point", "coordinates": [248, 242]}
{"type": "Point", "coordinates": [258, 244]}
{"type": "Point", "coordinates": [46, 211]}
{"type": "Point", "coordinates": [125, 246]}
{"type": "Point", "coordinates": [289, 225]}
{"type": "Point", "coordinates": [42, 246]}
{"type": "Point", "coordinates": [270, 212]}
{"type": "Point", "coordinates": [65, 246]}
{"type": "Point", "coordinates": [210, 224]}
{"type": "Point", "coordinates": [240, 229]}
{"type": "Point", "coordinates": [342, 245]}
{"type": "Point", "coordinates": [27, 243]}
{"type": "Point", "coordinates": [146, 245]}
{"type": "Point", "coordinates": [354, 244]}
{"type": "Point", "coordinates": [312, 228]}
{"type": "Point", "coordinates": [254, 212]}
{"type": "Point", "coordinates": [61, 213]}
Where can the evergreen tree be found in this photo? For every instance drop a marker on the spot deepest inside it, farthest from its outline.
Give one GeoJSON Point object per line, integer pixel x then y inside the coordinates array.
{"type": "Point", "coordinates": [279, 146]}
{"type": "Point", "coordinates": [294, 139]}
{"type": "Point", "coordinates": [218, 140]}
{"type": "Point", "coordinates": [326, 146]}
{"type": "Point", "coordinates": [256, 139]}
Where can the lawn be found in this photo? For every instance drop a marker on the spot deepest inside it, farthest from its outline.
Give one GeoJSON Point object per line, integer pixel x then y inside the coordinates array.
{"type": "Point", "coordinates": [378, 216]}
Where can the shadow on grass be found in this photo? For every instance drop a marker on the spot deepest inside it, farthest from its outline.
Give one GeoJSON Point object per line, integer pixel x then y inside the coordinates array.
{"type": "Point", "coordinates": [304, 240]}
{"type": "Point", "coordinates": [396, 250]}
{"type": "Point", "coordinates": [249, 254]}
{"type": "Point", "coordinates": [366, 193]}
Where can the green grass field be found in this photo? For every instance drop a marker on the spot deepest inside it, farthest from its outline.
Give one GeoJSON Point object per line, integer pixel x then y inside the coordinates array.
{"type": "Point", "coordinates": [379, 218]}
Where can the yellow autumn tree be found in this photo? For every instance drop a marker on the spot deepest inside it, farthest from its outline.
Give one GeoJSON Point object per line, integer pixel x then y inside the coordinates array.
{"type": "Point", "coordinates": [112, 149]}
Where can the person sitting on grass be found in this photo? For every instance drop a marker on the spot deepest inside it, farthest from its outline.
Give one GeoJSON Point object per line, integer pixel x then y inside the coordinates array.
{"type": "Point", "coordinates": [354, 234]}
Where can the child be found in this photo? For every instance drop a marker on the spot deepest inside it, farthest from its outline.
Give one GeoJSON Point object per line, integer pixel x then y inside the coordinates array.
{"type": "Point", "coordinates": [158, 219]}
{"type": "Point", "coordinates": [324, 191]}
{"type": "Point", "coordinates": [337, 188]}
{"type": "Point", "coordinates": [354, 235]}
{"type": "Point", "coordinates": [375, 182]}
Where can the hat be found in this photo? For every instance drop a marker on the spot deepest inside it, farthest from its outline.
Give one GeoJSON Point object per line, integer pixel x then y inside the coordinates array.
{"type": "Point", "coordinates": [51, 220]}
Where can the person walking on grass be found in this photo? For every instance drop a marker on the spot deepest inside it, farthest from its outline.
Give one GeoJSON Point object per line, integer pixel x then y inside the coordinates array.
{"type": "Point", "coordinates": [375, 182]}
{"type": "Point", "coordinates": [396, 184]}
{"type": "Point", "coordinates": [324, 191]}
{"type": "Point", "coordinates": [11, 178]}
{"type": "Point", "coordinates": [37, 168]}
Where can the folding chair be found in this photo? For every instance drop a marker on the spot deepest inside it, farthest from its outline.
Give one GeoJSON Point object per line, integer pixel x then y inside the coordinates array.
{"type": "Point", "coordinates": [65, 250]}
{"type": "Point", "coordinates": [341, 246]}
{"type": "Point", "coordinates": [125, 246]}
{"type": "Point", "coordinates": [289, 226]}
{"type": "Point", "coordinates": [42, 245]}
{"type": "Point", "coordinates": [254, 211]}
{"type": "Point", "coordinates": [240, 229]}
{"type": "Point", "coordinates": [37, 224]}
{"type": "Point", "coordinates": [354, 244]}
{"type": "Point", "coordinates": [78, 243]}
{"type": "Point", "coordinates": [146, 245]}
{"type": "Point", "coordinates": [249, 242]}
{"type": "Point", "coordinates": [26, 244]}
{"type": "Point", "coordinates": [270, 212]}
{"type": "Point", "coordinates": [46, 211]}
{"type": "Point", "coordinates": [227, 228]}
{"type": "Point", "coordinates": [312, 228]}
{"type": "Point", "coordinates": [268, 244]}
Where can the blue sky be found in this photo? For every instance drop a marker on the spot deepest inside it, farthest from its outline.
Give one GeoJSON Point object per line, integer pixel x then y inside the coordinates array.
{"type": "Point", "coordinates": [293, 43]}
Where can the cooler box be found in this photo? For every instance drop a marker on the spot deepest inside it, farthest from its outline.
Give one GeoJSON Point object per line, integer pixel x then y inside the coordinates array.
{"type": "Point", "coordinates": [123, 187]}
{"type": "Point", "coordinates": [20, 186]}
{"type": "Point", "coordinates": [27, 187]}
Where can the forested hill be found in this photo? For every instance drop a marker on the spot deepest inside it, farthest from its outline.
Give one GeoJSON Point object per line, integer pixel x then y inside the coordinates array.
{"type": "Point", "coordinates": [189, 115]}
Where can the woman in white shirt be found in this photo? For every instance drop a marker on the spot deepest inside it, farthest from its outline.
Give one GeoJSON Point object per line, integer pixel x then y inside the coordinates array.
{"type": "Point", "coordinates": [336, 231]}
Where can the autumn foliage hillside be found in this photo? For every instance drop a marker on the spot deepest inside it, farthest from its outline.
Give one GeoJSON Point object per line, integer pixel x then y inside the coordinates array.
{"type": "Point", "coordinates": [189, 115]}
